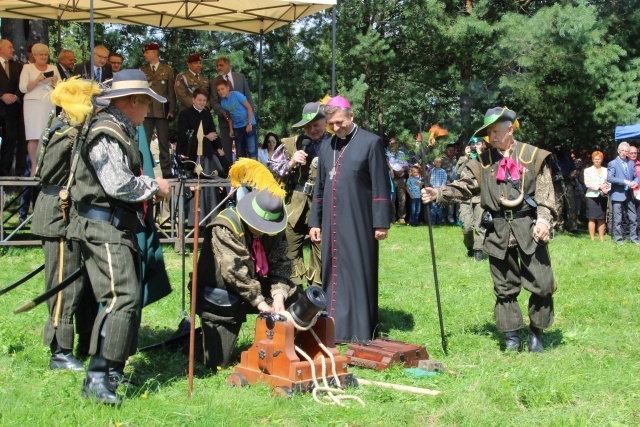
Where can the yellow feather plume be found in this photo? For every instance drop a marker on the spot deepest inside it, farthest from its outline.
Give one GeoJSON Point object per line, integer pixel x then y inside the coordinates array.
{"type": "Point", "coordinates": [254, 174]}
{"type": "Point", "coordinates": [74, 97]}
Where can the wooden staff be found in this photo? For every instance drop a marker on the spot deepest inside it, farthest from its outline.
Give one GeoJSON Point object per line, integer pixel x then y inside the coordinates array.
{"type": "Point", "coordinates": [194, 276]}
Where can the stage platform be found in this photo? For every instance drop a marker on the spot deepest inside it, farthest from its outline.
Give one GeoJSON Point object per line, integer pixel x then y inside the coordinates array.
{"type": "Point", "coordinates": [16, 232]}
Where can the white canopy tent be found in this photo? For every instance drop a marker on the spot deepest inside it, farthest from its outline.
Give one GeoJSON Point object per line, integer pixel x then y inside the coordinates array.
{"type": "Point", "coordinates": [245, 16]}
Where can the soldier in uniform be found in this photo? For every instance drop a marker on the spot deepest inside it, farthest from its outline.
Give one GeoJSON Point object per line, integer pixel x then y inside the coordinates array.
{"type": "Point", "coordinates": [50, 219]}
{"type": "Point", "coordinates": [516, 192]}
{"type": "Point", "coordinates": [191, 80]}
{"type": "Point", "coordinates": [245, 269]}
{"type": "Point", "coordinates": [110, 196]}
{"type": "Point", "coordinates": [470, 210]}
{"type": "Point", "coordinates": [161, 81]}
{"type": "Point", "coordinates": [295, 163]}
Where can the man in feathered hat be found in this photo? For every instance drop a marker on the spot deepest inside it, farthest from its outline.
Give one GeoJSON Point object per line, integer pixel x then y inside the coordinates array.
{"type": "Point", "coordinates": [295, 163]}
{"type": "Point", "coordinates": [111, 196]}
{"type": "Point", "coordinates": [516, 192]}
{"type": "Point", "coordinates": [243, 263]}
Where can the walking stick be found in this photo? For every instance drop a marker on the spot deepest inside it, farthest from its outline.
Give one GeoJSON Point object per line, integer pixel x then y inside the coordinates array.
{"type": "Point", "coordinates": [194, 277]}
{"type": "Point", "coordinates": [433, 250]}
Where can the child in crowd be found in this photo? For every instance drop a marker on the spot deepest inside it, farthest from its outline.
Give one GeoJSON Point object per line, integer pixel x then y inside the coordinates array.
{"type": "Point", "coordinates": [241, 118]}
{"type": "Point", "coordinates": [414, 183]}
{"type": "Point", "coordinates": [438, 179]}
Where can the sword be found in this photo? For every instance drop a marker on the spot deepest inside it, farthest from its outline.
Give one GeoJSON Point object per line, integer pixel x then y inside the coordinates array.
{"type": "Point", "coordinates": [51, 292]}
{"type": "Point", "coordinates": [22, 280]}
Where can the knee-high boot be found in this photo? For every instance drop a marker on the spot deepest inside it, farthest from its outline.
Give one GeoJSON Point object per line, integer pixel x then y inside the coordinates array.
{"type": "Point", "coordinates": [96, 384]}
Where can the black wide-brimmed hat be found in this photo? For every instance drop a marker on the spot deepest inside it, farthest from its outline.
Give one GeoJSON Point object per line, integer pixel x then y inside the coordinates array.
{"type": "Point", "coordinates": [310, 113]}
{"type": "Point", "coordinates": [494, 115]}
{"type": "Point", "coordinates": [263, 211]}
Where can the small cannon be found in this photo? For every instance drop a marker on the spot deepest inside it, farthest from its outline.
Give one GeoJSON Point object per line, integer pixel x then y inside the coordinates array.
{"type": "Point", "coordinates": [274, 360]}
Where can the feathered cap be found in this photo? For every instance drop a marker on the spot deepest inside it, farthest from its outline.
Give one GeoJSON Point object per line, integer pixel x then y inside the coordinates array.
{"type": "Point", "coordinates": [74, 96]}
{"type": "Point", "coordinates": [263, 209]}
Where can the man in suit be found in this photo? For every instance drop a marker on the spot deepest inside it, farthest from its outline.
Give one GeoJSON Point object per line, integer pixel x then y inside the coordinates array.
{"type": "Point", "coordinates": [162, 81]}
{"type": "Point", "coordinates": [66, 61]}
{"type": "Point", "coordinates": [11, 119]}
{"type": "Point", "coordinates": [514, 182]}
{"type": "Point", "coordinates": [621, 174]}
{"type": "Point", "coordinates": [115, 59]}
{"type": "Point", "coordinates": [239, 84]}
{"type": "Point", "coordinates": [101, 68]}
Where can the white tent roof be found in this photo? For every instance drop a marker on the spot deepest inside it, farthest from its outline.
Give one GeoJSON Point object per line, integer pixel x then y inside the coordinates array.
{"type": "Point", "coordinates": [246, 16]}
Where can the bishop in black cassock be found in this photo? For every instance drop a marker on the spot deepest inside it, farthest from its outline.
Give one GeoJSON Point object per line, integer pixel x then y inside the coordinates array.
{"type": "Point", "coordinates": [351, 206]}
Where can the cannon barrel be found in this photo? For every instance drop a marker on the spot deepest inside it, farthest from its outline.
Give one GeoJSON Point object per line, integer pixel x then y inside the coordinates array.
{"type": "Point", "coordinates": [308, 305]}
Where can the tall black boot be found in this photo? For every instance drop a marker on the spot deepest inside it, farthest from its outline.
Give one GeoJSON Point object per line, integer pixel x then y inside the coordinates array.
{"type": "Point", "coordinates": [63, 358]}
{"type": "Point", "coordinates": [512, 341]}
{"type": "Point", "coordinates": [117, 376]}
{"type": "Point", "coordinates": [96, 385]}
{"type": "Point", "coordinates": [534, 340]}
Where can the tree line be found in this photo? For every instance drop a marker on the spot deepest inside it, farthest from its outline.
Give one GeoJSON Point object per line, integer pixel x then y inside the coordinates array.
{"type": "Point", "coordinates": [569, 68]}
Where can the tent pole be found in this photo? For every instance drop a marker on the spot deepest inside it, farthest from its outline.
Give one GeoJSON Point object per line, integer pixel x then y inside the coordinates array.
{"type": "Point", "coordinates": [258, 116]}
{"type": "Point", "coordinates": [333, 51]}
{"type": "Point", "coordinates": [91, 43]}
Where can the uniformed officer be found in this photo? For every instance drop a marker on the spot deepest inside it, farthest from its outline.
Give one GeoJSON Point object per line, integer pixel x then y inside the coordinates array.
{"type": "Point", "coordinates": [191, 80]}
{"type": "Point", "coordinates": [162, 81]}
{"type": "Point", "coordinates": [110, 194]}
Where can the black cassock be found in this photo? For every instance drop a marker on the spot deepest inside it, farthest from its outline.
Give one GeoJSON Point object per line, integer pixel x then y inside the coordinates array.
{"type": "Point", "coordinates": [350, 200]}
{"type": "Point", "coordinates": [189, 120]}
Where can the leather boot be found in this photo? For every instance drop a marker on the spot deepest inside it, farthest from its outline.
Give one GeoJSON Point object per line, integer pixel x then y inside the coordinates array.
{"type": "Point", "coordinates": [534, 340]}
{"type": "Point", "coordinates": [512, 341]}
{"type": "Point", "coordinates": [96, 385]}
{"type": "Point", "coordinates": [117, 376]}
{"type": "Point", "coordinates": [62, 358]}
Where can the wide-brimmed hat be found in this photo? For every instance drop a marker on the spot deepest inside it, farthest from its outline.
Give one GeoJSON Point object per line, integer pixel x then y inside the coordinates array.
{"type": "Point", "coordinates": [494, 115]}
{"type": "Point", "coordinates": [263, 212]}
{"type": "Point", "coordinates": [130, 82]}
{"type": "Point", "coordinates": [310, 113]}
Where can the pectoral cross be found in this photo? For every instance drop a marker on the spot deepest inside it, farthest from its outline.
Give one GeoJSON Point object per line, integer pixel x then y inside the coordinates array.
{"type": "Point", "coordinates": [332, 173]}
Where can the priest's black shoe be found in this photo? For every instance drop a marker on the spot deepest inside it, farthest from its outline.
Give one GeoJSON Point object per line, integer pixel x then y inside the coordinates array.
{"type": "Point", "coordinates": [98, 388]}
{"type": "Point", "coordinates": [534, 340]}
{"type": "Point", "coordinates": [63, 359]}
{"type": "Point", "coordinates": [512, 341]}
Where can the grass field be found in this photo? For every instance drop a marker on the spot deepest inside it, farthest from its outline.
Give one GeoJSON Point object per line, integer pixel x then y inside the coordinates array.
{"type": "Point", "coordinates": [587, 376]}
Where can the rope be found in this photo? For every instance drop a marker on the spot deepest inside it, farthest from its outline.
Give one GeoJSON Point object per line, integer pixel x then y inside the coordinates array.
{"type": "Point", "coordinates": [331, 392]}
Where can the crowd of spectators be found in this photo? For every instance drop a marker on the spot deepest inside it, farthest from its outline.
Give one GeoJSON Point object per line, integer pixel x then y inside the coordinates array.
{"type": "Point", "coordinates": [582, 183]}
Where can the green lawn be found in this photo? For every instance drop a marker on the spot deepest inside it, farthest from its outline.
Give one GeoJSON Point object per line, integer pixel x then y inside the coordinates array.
{"type": "Point", "coordinates": [588, 375]}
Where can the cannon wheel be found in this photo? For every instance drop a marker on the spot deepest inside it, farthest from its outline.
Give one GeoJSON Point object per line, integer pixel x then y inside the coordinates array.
{"type": "Point", "coordinates": [237, 380]}
{"type": "Point", "coordinates": [282, 391]}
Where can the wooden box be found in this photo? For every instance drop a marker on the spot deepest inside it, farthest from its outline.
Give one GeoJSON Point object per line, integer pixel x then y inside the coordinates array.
{"type": "Point", "coordinates": [381, 353]}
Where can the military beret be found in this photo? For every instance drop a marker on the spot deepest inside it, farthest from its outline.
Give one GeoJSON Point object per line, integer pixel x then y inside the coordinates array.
{"type": "Point", "coordinates": [150, 46]}
{"type": "Point", "coordinates": [194, 58]}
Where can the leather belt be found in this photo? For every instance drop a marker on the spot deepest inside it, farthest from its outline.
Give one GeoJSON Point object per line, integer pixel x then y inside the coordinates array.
{"type": "Point", "coordinates": [511, 214]}
{"type": "Point", "coordinates": [51, 190]}
{"type": "Point", "coordinates": [122, 217]}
